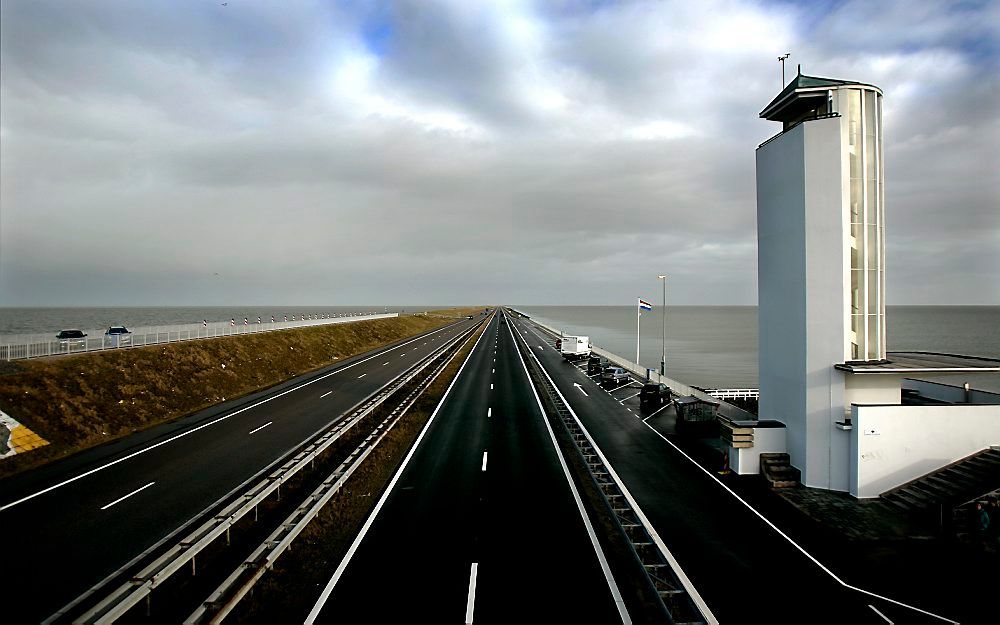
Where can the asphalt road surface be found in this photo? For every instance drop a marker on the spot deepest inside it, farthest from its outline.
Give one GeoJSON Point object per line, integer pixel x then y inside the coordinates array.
{"type": "Point", "coordinates": [743, 567]}
{"type": "Point", "coordinates": [481, 523]}
{"type": "Point", "coordinates": [59, 542]}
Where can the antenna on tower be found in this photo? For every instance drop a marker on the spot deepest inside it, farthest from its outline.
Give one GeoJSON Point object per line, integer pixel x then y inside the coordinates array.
{"type": "Point", "coordinates": [782, 59]}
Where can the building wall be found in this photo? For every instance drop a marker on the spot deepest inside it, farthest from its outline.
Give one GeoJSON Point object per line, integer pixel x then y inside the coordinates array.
{"type": "Point", "coordinates": [826, 263]}
{"type": "Point", "coordinates": [872, 389]}
{"type": "Point", "coordinates": [892, 445]}
{"type": "Point", "coordinates": [746, 460]}
{"type": "Point", "coordinates": [801, 274]}
{"type": "Point", "coordinates": [781, 285]}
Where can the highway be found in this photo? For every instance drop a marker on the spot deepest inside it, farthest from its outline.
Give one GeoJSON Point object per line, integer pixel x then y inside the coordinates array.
{"type": "Point", "coordinates": [743, 567]}
{"type": "Point", "coordinates": [480, 523]}
{"type": "Point", "coordinates": [71, 523]}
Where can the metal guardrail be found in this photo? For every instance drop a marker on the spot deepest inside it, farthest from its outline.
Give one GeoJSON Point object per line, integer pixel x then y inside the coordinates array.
{"type": "Point", "coordinates": [242, 580]}
{"type": "Point", "coordinates": [19, 347]}
{"type": "Point", "coordinates": [677, 596]}
{"type": "Point", "coordinates": [183, 552]}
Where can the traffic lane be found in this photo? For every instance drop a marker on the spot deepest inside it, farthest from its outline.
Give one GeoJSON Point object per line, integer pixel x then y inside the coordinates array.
{"type": "Point", "coordinates": [91, 542]}
{"type": "Point", "coordinates": [68, 529]}
{"type": "Point", "coordinates": [856, 604]}
{"type": "Point", "coordinates": [871, 607]}
{"type": "Point", "coordinates": [294, 416]}
{"type": "Point", "coordinates": [716, 540]}
{"type": "Point", "coordinates": [539, 563]}
{"type": "Point", "coordinates": [425, 529]}
{"type": "Point", "coordinates": [17, 486]}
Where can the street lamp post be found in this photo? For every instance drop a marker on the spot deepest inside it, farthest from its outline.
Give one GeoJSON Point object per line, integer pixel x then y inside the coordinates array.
{"type": "Point", "coordinates": [663, 337]}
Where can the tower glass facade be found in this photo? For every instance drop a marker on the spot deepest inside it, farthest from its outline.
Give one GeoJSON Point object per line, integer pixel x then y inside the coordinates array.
{"type": "Point", "coordinates": [865, 211]}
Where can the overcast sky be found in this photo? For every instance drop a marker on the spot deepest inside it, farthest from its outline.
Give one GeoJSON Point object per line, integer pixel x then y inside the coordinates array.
{"type": "Point", "coordinates": [308, 153]}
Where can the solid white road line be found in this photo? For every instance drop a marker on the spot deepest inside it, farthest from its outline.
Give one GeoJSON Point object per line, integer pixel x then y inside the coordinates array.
{"type": "Point", "coordinates": [470, 605]}
{"type": "Point", "coordinates": [384, 364]}
{"type": "Point", "coordinates": [674, 564]}
{"type": "Point", "coordinates": [121, 499]}
{"type": "Point", "coordinates": [484, 460]}
{"type": "Point", "coordinates": [202, 426]}
{"type": "Point", "coordinates": [362, 375]}
{"type": "Point", "coordinates": [886, 618]}
{"type": "Point", "coordinates": [663, 407]}
{"type": "Point", "coordinates": [598, 551]}
{"type": "Point", "coordinates": [792, 542]}
{"type": "Point", "coordinates": [261, 427]}
{"type": "Point", "coordinates": [339, 572]}
{"type": "Point", "coordinates": [622, 401]}
{"type": "Point", "coordinates": [325, 394]}
{"type": "Point", "coordinates": [762, 517]}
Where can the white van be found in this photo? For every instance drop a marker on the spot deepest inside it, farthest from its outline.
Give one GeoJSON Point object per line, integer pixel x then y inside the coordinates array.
{"type": "Point", "coordinates": [575, 347]}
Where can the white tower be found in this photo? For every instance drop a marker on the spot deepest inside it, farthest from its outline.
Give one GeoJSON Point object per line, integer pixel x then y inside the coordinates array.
{"type": "Point", "coordinates": [821, 259]}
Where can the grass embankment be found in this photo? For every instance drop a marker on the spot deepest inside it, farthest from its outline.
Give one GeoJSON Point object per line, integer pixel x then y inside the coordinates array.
{"type": "Point", "coordinates": [76, 402]}
{"type": "Point", "coordinates": [288, 591]}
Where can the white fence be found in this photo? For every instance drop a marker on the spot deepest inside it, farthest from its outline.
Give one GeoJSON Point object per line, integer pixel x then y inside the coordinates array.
{"type": "Point", "coordinates": [734, 393]}
{"type": "Point", "coordinates": [17, 347]}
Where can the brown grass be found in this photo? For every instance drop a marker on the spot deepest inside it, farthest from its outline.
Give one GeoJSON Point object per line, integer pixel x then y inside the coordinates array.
{"type": "Point", "coordinates": [76, 402]}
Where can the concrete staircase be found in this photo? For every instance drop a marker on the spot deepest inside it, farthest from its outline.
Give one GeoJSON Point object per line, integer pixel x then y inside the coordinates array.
{"type": "Point", "coordinates": [948, 487]}
{"type": "Point", "coordinates": [778, 471]}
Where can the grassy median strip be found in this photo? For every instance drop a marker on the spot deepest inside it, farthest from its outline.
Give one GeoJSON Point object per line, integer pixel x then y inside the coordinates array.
{"type": "Point", "coordinates": [80, 401]}
{"type": "Point", "coordinates": [288, 591]}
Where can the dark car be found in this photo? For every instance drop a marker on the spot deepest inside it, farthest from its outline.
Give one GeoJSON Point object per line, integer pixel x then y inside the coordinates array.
{"type": "Point", "coordinates": [596, 365]}
{"type": "Point", "coordinates": [118, 336]}
{"type": "Point", "coordinates": [72, 338]}
{"type": "Point", "coordinates": [654, 395]}
{"type": "Point", "coordinates": [614, 376]}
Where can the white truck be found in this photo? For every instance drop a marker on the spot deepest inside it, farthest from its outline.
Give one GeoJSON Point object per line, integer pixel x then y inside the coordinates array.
{"type": "Point", "coordinates": [574, 347]}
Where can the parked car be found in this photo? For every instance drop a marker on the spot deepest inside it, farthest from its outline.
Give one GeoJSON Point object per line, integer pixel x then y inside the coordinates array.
{"type": "Point", "coordinates": [654, 395]}
{"type": "Point", "coordinates": [614, 376]}
{"type": "Point", "coordinates": [72, 338]}
{"type": "Point", "coordinates": [597, 365]}
{"type": "Point", "coordinates": [118, 336]}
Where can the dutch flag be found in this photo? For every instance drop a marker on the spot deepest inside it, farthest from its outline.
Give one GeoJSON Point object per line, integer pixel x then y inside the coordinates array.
{"type": "Point", "coordinates": [644, 305]}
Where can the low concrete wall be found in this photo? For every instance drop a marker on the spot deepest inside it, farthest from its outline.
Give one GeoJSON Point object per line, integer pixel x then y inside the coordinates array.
{"type": "Point", "coordinates": [679, 388]}
{"type": "Point", "coordinates": [950, 392]}
{"type": "Point", "coordinates": [892, 445]}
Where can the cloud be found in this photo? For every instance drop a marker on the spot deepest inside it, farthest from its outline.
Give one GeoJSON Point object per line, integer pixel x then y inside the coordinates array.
{"type": "Point", "coordinates": [451, 151]}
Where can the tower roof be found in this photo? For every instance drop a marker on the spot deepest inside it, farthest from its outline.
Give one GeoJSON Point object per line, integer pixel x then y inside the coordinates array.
{"type": "Point", "coordinates": [801, 89]}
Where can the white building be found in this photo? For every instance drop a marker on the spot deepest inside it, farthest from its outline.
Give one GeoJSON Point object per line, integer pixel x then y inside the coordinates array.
{"type": "Point", "coordinates": [821, 295]}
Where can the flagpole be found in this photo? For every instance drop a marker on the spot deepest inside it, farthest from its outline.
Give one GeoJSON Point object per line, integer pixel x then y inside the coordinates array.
{"type": "Point", "coordinates": [638, 313]}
